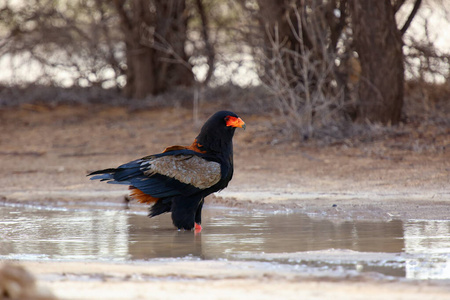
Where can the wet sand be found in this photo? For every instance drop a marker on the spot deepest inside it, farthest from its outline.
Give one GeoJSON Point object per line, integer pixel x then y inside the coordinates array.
{"type": "Point", "coordinates": [46, 153]}
{"type": "Point", "coordinates": [217, 280]}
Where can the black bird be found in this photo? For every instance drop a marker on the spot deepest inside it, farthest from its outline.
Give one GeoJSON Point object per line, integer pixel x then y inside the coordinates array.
{"type": "Point", "coordinates": [178, 179]}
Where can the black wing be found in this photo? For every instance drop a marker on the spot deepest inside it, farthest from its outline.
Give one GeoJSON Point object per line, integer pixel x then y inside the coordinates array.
{"type": "Point", "coordinates": [182, 172]}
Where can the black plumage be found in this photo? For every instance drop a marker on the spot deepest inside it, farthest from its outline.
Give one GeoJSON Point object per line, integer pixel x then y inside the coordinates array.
{"type": "Point", "coordinates": [179, 179]}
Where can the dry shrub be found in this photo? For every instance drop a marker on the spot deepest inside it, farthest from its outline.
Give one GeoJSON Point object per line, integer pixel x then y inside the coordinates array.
{"type": "Point", "coordinates": [76, 39]}
{"type": "Point", "coordinates": [299, 69]}
{"type": "Point", "coordinates": [427, 102]}
{"type": "Point", "coordinates": [306, 98]}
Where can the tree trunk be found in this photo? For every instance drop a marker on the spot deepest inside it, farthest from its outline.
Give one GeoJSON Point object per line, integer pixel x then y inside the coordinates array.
{"type": "Point", "coordinates": [378, 43]}
{"type": "Point", "coordinates": [171, 63]}
{"type": "Point", "coordinates": [155, 36]}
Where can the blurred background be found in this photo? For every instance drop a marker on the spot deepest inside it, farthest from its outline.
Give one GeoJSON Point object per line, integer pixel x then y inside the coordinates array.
{"type": "Point", "coordinates": [330, 69]}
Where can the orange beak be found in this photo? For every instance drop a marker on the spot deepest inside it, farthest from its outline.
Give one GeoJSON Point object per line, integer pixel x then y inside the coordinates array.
{"type": "Point", "coordinates": [235, 122]}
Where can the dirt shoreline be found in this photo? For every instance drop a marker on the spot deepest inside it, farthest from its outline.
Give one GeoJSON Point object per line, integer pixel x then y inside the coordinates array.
{"type": "Point", "coordinates": [401, 206]}
{"type": "Point", "coordinates": [217, 280]}
{"type": "Point", "coordinates": [46, 153]}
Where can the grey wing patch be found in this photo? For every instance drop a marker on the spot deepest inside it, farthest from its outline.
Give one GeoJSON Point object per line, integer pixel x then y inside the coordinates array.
{"type": "Point", "coordinates": [191, 170]}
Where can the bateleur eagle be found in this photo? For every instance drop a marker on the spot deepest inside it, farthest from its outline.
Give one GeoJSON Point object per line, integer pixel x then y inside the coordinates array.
{"type": "Point", "coordinates": [178, 179]}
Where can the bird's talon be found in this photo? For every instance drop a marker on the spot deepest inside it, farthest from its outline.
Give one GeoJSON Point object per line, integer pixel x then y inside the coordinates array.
{"type": "Point", "coordinates": [197, 228]}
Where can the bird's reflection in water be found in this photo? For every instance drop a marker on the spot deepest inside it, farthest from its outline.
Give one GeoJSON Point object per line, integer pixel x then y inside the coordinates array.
{"type": "Point", "coordinates": [226, 235]}
{"type": "Point", "coordinates": [161, 240]}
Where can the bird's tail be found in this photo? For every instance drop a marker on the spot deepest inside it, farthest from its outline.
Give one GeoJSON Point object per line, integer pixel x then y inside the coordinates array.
{"type": "Point", "coordinates": [112, 175]}
{"type": "Point", "coordinates": [124, 174]}
{"type": "Point", "coordinates": [103, 175]}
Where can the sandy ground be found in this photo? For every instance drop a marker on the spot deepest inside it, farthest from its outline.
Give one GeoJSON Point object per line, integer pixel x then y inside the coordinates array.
{"type": "Point", "coordinates": [215, 280]}
{"type": "Point", "coordinates": [46, 152]}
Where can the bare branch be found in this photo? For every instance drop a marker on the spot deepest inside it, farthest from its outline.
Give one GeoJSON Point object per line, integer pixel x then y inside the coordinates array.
{"type": "Point", "coordinates": [209, 49]}
{"type": "Point", "coordinates": [411, 16]}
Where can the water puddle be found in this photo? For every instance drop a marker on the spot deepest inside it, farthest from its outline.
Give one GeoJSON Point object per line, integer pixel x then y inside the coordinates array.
{"type": "Point", "coordinates": [417, 249]}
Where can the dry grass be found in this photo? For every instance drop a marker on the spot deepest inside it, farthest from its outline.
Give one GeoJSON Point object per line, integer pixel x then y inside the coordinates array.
{"type": "Point", "coordinates": [425, 127]}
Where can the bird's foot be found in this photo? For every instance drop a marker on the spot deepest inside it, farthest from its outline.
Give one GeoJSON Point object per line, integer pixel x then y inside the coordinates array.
{"type": "Point", "coordinates": [197, 228]}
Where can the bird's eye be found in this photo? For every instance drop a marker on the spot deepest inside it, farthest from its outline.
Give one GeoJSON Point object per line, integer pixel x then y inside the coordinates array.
{"type": "Point", "coordinates": [227, 118]}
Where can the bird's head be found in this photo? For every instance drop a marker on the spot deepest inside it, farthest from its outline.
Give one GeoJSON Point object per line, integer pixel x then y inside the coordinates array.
{"type": "Point", "coordinates": [224, 120]}
{"type": "Point", "coordinates": [219, 128]}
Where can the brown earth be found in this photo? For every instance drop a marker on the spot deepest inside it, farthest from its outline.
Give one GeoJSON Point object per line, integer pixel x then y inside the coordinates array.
{"type": "Point", "coordinates": [46, 152]}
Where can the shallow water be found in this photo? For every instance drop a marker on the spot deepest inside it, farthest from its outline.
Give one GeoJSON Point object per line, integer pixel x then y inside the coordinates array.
{"type": "Point", "coordinates": [413, 249]}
